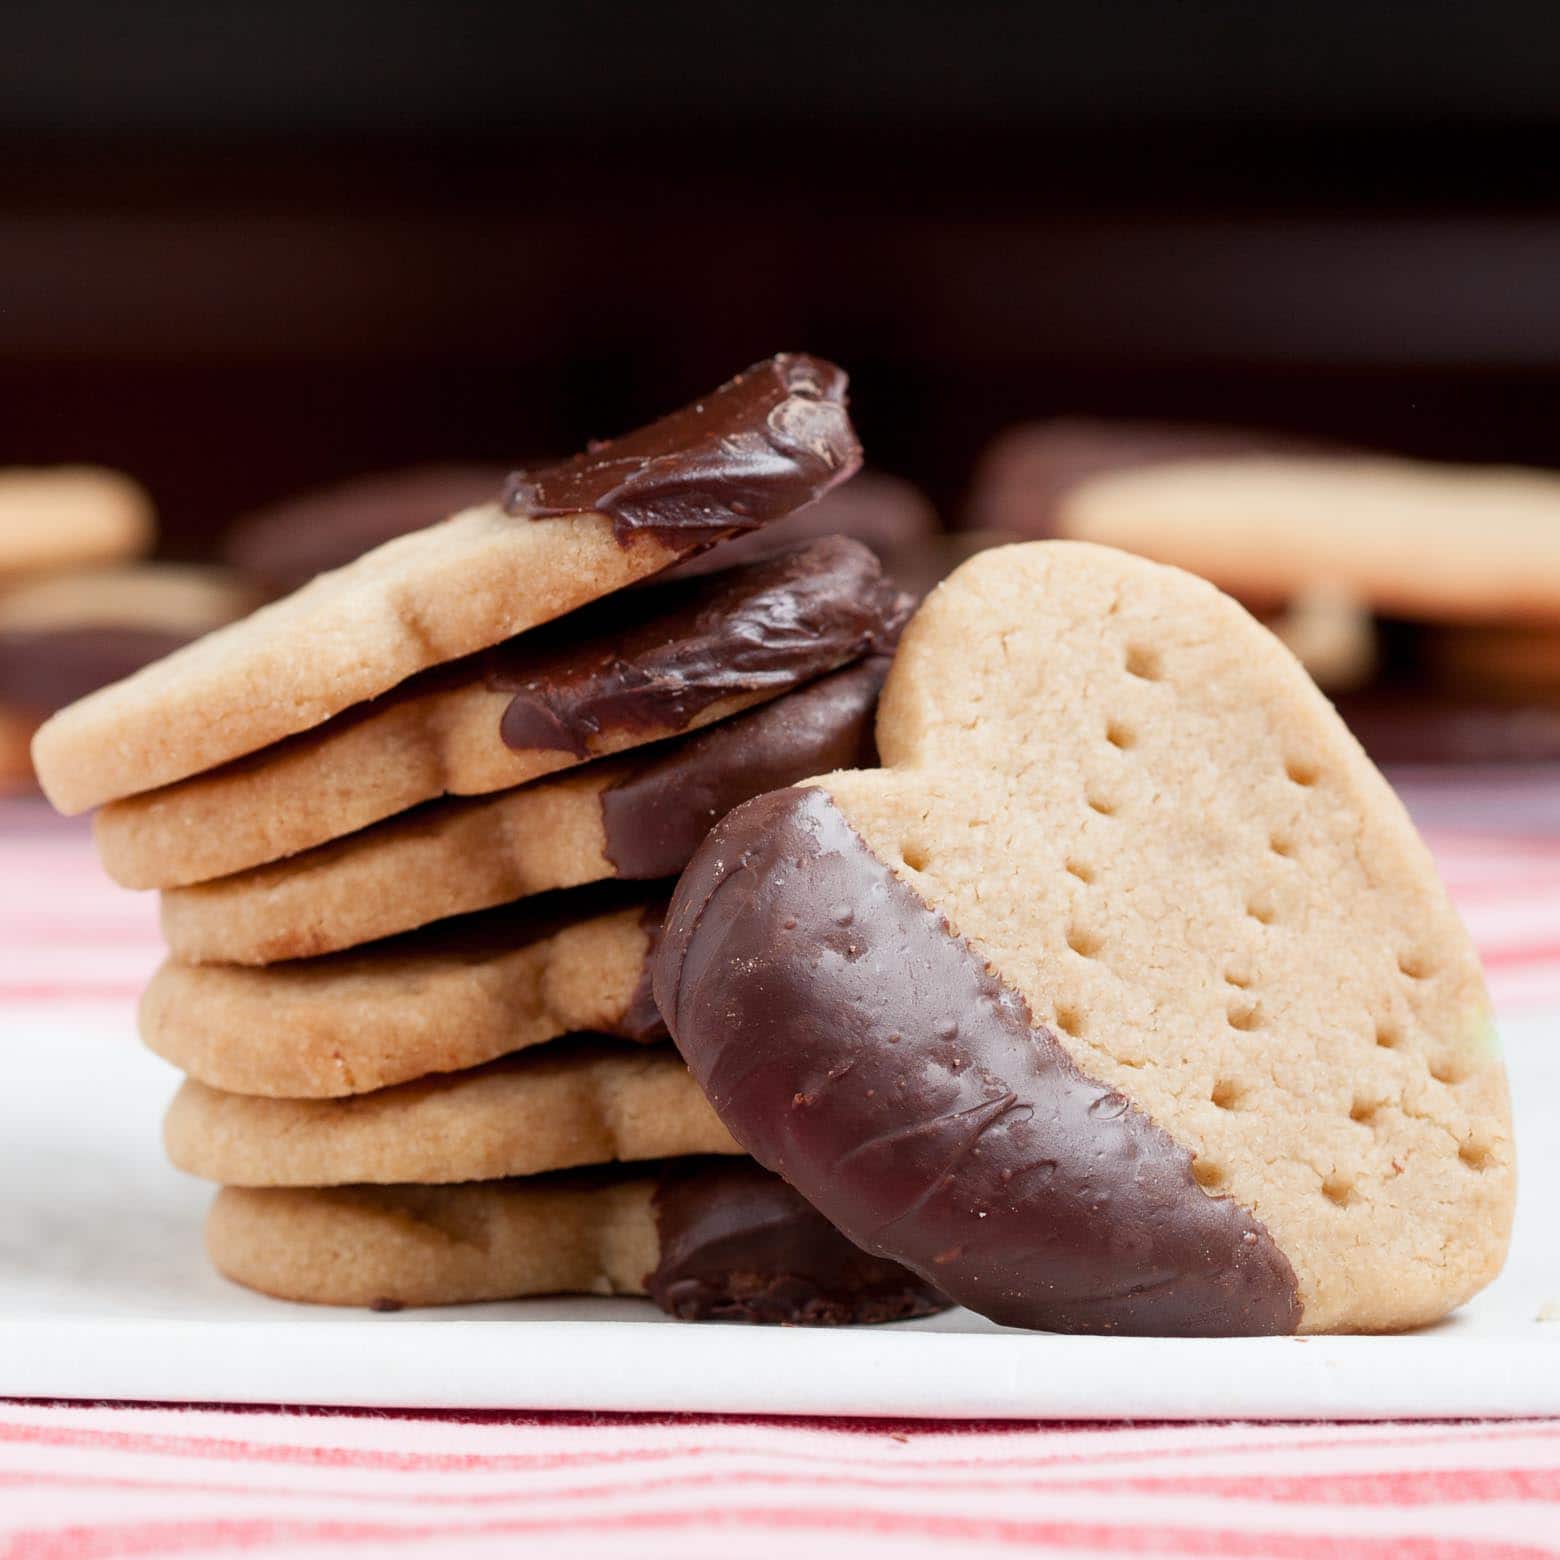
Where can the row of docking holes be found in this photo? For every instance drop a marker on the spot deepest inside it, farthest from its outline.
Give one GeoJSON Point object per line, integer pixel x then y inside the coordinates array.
{"type": "Point", "coordinates": [1244, 1012]}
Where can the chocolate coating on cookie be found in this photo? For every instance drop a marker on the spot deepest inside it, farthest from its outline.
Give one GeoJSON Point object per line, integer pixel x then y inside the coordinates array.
{"type": "Point", "coordinates": [853, 1043]}
{"type": "Point", "coordinates": [655, 817]}
{"type": "Point", "coordinates": [739, 1245]}
{"type": "Point", "coordinates": [765, 443]}
{"type": "Point", "coordinates": [44, 669]}
{"type": "Point", "coordinates": [654, 662]}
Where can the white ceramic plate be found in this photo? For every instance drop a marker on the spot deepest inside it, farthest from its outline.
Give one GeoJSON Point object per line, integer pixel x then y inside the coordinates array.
{"type": "Point", "coordinates": [105, 1293]}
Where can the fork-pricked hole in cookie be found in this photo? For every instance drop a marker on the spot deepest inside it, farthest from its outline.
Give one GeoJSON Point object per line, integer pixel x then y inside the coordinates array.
{"type": "Point", "coordinates": [1475, 1154]}
{"type": "Point", "coordinates": [1208, 1173]}
{"type": "Point", "coordinates": [1414, 965]}
{"type": "Point", "coordinates": [1227, 1094]}
{"type": "Point", "coordinates": [1282, 845]}
{"type": "Point", "coordinates": [1101, 804]}
{"type": "Point", "coordinates": [1364, 1110]}
{"type": "Point", "coordinates": [1448, 1070]}
{"type": "Point", "coordinates": [1338, 1189]}
{"type": "Point", "coordinates": [1237, 977]}
{"type": "Point", "coordinates": [916, 856]}
{"type": "Point", "coordinates": [1080, 870]}
{"type": "Point", "coordinates": [1120, 735]}
{"type": "Point", "coordinates": [1244, 1016]}
{"type": "Point", "coordinates": [1301, 771]}
{"type": "Point", "coordinates": [1084, 942]}
{"type": "Point", "coordinates": [1071, 1021]}
{"type": "Point", "coordinates": [1388, 1036]}
{"type": "Point", "coordinates": [1143, 662]}
{"type": "Point", "coordinates": [1261, 911]}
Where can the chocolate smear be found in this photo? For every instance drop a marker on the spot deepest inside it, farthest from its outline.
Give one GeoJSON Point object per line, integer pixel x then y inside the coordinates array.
{"type": "Point", "coordinates": [739, 1245]}
{"type": "Point", "coordinates": [655, 660]}
{"type": "Point", "coordinates": [854, 1044]}
{"type": "Point", "coordinates": [772, 439]}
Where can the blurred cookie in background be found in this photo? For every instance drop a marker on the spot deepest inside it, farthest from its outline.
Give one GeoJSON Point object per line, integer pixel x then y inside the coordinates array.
{"type": "Point", "coordinates": [64, 635]}
{"type": "Point", "coordinates": [287, 543]}
{"type": "Point", "coordinates": [1429, 590]}
{"type": "Point", "coordinates": [64, 517]}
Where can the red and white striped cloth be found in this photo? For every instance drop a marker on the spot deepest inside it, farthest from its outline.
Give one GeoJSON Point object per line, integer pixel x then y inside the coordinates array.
{"type": "Point", "coordinates": [87, 1483]}
{"type": "Point", "coordinates": [90, 1482]}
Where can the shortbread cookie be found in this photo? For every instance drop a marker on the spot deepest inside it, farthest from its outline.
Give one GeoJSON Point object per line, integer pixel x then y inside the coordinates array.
{"type": "Point", "coordinates": [62, 517]}
{"type": "Point", "coordinates": [762, 445]}
{"type": "Point", "coordinates": [64, 635]}
{"type": "Point", "coordinates": [287, 543]}
{"type": "Point", "coordinates": [716, 1240]}
{"type": "Point", "coordinates": [617, 675]}
{"type": "Point", "coordinates": [1408, 538]}
{"type": "Point", "coordinates": [638, 818]}
{"type": "Point", "coordinates": [575, 1102]}
{"type": "Point", "coordinates": [1125, 998]}
{"type": "Point", "coordinates": [1026, 475]}
{"type": "Point", "coordinates": [177, 598]}
{"type": "Point", "coordinates": [448, 997]}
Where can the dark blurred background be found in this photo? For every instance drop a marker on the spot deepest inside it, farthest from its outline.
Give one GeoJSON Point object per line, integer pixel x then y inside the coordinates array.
{"type": "Point", "coordinates": [244, 248]}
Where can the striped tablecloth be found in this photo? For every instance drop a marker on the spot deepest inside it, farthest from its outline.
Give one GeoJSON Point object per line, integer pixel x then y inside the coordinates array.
{"type": "Point", "coordinates": [80, 1482]}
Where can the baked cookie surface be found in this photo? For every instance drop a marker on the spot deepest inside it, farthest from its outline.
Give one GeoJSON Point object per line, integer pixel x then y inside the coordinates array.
{"type": "Point", "coordinates": [439, 1000]}
{"type": "Point", "coordinates": [707, 1240]}
{"type": "Point", "coordinates": [760, 446]}
{"type": "Point", "coordinates": [574, 1102]}
{"type": "Point", "coordinates": [637, 818]}
{"type": "Point", "coordinates": [628, 671]}
{"type": "Point", "coordinates": [1125, 997]}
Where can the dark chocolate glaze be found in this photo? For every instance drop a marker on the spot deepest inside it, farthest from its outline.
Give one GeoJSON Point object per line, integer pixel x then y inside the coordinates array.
{"type": "Point", "coordinates": [642, 1019]}
{"type": "Point", "coordinates": [852, 1042]}
{"type": "Point", "coordinates": [656, 815]}
{"type": "Point", "coordinates": [739, 1245]}
{"type": "Point", "coordinates": [286, 544]}
{"type": "Point", "coordinates": [44, 669]}
{"type": "Point", "coordinates": [654, 661]}
{"type": "Point", "coordinates": [765, 443]}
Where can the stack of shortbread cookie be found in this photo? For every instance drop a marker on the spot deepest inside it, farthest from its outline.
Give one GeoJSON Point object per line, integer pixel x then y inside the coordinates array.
{"type": "Point", "coordinates": [414, 827]}
{"type": "Point", "coordinates": [76, 610]}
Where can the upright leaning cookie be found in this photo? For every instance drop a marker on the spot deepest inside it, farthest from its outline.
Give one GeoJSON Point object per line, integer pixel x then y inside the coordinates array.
{"type": "Point", "coordinates": [1125, 998]}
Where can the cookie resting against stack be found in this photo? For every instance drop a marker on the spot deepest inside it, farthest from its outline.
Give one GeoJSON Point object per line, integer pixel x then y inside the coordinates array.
{"type": "Point", "coordinates": [76, 610]}
{"type": "Point", "coordinates": [1424, 596]}
{"type": "Point", "coordinates": [414, 826]}
{"type": "Point", "coordinates": [1123, 997]}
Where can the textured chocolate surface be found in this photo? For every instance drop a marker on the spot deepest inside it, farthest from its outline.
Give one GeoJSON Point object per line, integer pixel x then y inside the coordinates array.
{"type": "Point", "coordinates": [286, 544]}
{"type": "Point", "coordinates": [44, 669]}
{"type": "Point", "coordinates": [852, 1043]}
{"type": "Point", "coordinates": [651, 661]}
{"type": "Point", "coordinates": [739, 1245]}
{"type": "Point", "coordinates": [655, 817]}
{"type": "Point", "coordinates": [642, 1019]}
{"type": "Point", "coordinates": [765, 443]}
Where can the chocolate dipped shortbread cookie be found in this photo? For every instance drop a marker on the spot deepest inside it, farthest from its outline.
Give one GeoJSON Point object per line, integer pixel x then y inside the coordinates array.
{"type": "Point", "coordinates": [637, 818]}
{"type": "Point", "coordinates": [707, 1240]}
{"type": "Point", "coordinates": [1124, 998]}
{"type": "Point", "coordinates": [762, 445]}
{"type": "Point", "coordinates": [625, 672]}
